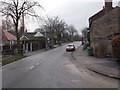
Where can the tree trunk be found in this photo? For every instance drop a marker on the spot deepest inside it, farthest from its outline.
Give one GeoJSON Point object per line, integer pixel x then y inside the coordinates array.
{"type": "Point", "coordinates": [18, 39]}
{"type": "Point", "coordinates": [59, 39]}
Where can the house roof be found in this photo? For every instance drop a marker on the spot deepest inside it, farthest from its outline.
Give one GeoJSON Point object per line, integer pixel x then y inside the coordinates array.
{"type": "Point", "coordinates": [97, 16]}
{"type": "Point", "coordinates": [30, 34]}
{"type": "Point", "coordinates": [23, 37]}
{"type": "Point", "coordinates": [38, 34]}
{"type": "Point", "coordinates": [6, 36]}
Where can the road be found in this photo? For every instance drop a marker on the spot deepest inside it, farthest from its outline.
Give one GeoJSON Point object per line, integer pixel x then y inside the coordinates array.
{"type": "Point", "coordinates": [50, 69]}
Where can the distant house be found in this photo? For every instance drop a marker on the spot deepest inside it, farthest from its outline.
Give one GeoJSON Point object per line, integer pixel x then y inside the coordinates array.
{"type": "Point", "coordinates": [6, 39]}
{"type": "Point", "coordinates": [103, 26]}
{"type": "Point", "coordinates": [38, 34]}
{"type": "Point", "coordinates": [45, 33]}
{"type": "Point", "coordinates": [30, 34]}
{"type": "Point", "coordinates": [30, 41]}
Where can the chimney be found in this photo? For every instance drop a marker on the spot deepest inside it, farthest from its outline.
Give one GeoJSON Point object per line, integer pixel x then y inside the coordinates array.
{"type": "Point", "coordinates": [108, 5]}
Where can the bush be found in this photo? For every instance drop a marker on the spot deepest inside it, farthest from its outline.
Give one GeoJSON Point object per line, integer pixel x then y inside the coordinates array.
{"type": "Point", "coordinates": [37, 41]}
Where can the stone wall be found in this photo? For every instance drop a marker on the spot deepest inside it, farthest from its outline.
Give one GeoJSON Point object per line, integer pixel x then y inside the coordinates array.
{"type": "Point", "coordinates": [100, 29]}
{"type": "Point", "coordinates": [99, 48]}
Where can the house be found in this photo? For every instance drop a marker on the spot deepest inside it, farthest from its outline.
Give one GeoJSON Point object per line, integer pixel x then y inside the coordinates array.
{"type": "Point", "coordinates": [28, 40]}
{"type": "Point", "coordinates": [38, 34]}
{"type": "Point", "coordinates": [7, 41]}
{"type": "Point", "coordinates": [103, 26]}
{"type": "Point", "coordinates": [31, 41]}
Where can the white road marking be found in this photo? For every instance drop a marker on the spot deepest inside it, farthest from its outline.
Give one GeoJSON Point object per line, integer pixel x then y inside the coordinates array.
{"type": "Point", "coordinates": [31, 67]}
{"type": "Point", "coordinates": [37, 63]}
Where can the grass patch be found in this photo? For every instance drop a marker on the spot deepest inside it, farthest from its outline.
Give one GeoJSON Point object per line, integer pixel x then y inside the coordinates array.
{"type": "Point", "coordinates": [11, 59]}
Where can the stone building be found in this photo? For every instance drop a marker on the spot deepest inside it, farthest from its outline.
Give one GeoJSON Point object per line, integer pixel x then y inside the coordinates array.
{"type": "Point", "coordinates": [103, 26]}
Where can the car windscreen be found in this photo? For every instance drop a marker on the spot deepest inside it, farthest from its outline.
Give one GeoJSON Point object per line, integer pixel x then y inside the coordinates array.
{"type": "Point", "coordinates": [70, 45]}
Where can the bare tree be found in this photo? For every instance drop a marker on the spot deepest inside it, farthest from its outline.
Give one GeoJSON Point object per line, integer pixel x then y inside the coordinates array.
{"type": "Point", "coordinates": [84, 31]}
{"type": "Point", "coordinates": [85, 40]}
{"type": "Point", "coordinates": [72, 31]}
{"type": "Point", "coordinates": [15, 9]}
{"type": "Point", "coordinates": [7, 24]}
{"type": "Point", "coordinates": [55, 26]}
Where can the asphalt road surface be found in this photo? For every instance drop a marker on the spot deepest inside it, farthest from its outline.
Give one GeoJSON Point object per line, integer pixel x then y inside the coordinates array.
{"type": "Point", "coordinates": [50, 69]}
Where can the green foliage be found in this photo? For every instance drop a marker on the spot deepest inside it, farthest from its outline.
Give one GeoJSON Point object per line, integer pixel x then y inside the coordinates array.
{"type": "Point", "coordinates": [11, 59]}
{"type": "Point", "coordinates": [36, 39]}
{"type": "Point", "coordinates": [39, 39]}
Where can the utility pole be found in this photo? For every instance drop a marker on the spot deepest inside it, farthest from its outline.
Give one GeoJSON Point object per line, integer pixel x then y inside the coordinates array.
{"type": "Point", "coordinates": [23, 24]}
{"type": "Point", "coordinates": [45, 38]}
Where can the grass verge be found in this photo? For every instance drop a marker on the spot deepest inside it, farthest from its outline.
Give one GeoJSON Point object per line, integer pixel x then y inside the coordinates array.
{"type": "Point", "coordinates": [11, 59]}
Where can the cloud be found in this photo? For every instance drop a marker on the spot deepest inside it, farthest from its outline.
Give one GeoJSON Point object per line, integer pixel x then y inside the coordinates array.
{"type": "Point", "coordinates": [76, 13]}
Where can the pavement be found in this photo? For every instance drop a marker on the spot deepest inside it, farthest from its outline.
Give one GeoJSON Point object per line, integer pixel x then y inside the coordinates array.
{"type": "Point", "coordinates": [104, 66]}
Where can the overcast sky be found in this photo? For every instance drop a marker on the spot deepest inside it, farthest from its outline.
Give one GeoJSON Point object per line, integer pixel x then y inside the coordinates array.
{"type": "Point", "coordinates": [76, 12]}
